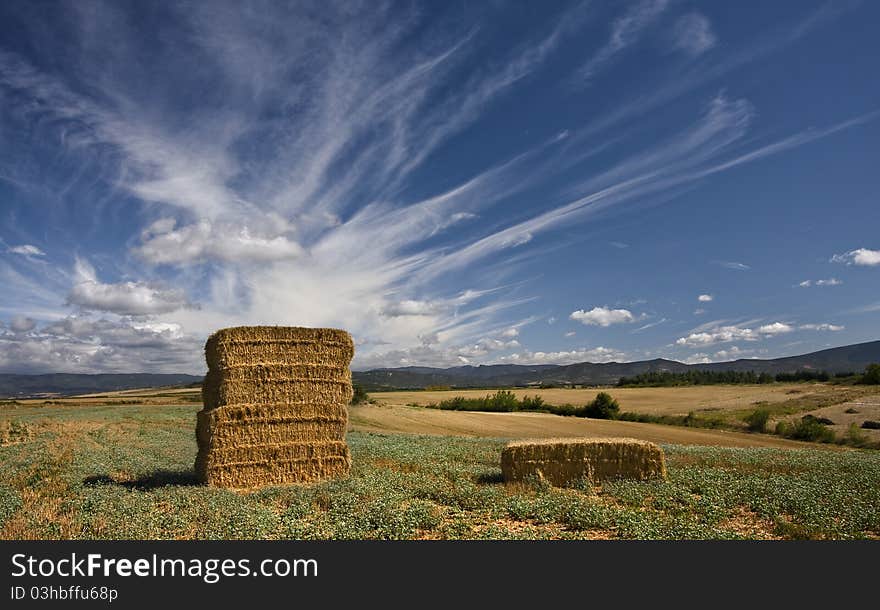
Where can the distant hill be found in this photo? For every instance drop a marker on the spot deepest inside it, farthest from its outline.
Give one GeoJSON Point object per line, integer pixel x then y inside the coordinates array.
{"type": "Point", "coordinates": [850, 358]}
{"type": "Point", "coordinates": [68, 384]}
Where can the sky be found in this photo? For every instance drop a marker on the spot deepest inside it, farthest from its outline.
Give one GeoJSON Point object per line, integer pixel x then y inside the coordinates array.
{"type": "Point", "coordinates": [453, 183]}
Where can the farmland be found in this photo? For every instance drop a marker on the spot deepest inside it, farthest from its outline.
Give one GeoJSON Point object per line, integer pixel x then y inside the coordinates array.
{"type": "Point", "coordinates": [121, 466]}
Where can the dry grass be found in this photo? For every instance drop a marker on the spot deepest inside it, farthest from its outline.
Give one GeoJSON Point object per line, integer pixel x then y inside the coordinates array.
{"type": "Point", "coordinates": [415, 420]}
{"type": "Point", "coordinates": [655, 401]}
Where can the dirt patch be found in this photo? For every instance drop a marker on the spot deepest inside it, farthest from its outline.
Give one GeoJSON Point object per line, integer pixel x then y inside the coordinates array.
{"type": "Point", "coordinates": [750, 525]}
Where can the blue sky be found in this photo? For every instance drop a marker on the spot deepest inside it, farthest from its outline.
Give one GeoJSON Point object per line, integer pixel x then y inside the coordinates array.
{"type": "Point", "coordinates": [454, 183]}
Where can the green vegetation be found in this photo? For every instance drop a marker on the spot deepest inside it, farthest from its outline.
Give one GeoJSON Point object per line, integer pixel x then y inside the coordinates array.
{"type": "Point", "coordinates": [126, 472]}
{"type": "Point", "coordinates": [602, 407]}
{"type": "Point", "coordinates": [807, 428]}
{"type": "Point", "coordinates": [698, 377]}
{"type": "Point", "coordinates": [757, 420]}
{"type": "Point", "coordinates": [691, 420]}
{"type": "Point", "coordinates": [503, 401]}
{"type": "Point", "coordinates": [872, 375]}
{"type": "Point", "coordinates": [359, 395]}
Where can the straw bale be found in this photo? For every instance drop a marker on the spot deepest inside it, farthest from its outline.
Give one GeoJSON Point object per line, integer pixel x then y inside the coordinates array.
{"type": "Point", "coordinates": [565, 461]}
{"type": "Point", "coordinates": [215, 432]}
{"type": "Point", "coordinates": [256, 465]}
{"type": "Point", "coordinates": [218, 391]}
{"type": "Point", "coordinates": [246, 345]}
{"type": "Point", "coordinates": [275, 406]}
{"type": "Point", "coordinates": [257, 474]}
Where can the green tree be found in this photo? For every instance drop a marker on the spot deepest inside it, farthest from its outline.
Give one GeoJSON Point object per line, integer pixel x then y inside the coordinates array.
{"type": "Point", "coordinates": [872, 374]}
{"type": "Point", "coordinates": [757, 420]}
{"type": "Point", "coordinates": [359, 395]}
{"type": "Point", "coordinates": [602, 407]}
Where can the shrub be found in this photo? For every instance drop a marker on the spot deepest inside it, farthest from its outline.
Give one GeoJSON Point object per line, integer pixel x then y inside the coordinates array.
{"type": "Point", "coordinates": [532, 403]}
{"type": "Point", "coordinates": [757, 420]}
{"type": "Point", "coordinates": [360, 395]}
{"type": "Point", "coordinates": [811, 429]}
{"type": "Point", "coordinates": [602, 407]}
{"type": "Point", "coordinates": [855, 437]}
{"type": "Point", "coordinates": [872, 375]}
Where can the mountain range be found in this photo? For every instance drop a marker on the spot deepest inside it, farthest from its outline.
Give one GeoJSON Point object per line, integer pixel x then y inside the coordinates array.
{"type": "Point", "coordinates": [70, 384]}
{"type": "Point", "coordinates": [846, 359]}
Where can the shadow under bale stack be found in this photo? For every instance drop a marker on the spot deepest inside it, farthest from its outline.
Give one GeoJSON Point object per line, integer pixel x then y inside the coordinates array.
{"type": "Point", "coordinates": [275, 406]}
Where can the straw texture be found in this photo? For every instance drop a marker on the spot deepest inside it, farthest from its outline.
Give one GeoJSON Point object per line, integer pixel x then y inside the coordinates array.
{"type": "Point", "coordinates": [275, 406]}
{"type": "Point", "coordinates": [565, 461]}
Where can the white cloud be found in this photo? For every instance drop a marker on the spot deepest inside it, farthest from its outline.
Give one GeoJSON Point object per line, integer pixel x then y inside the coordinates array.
{"type": "Point", "coordinates": [705, 298]}
{"type": "Point", "coordinates": [551, 320]}
{"type": "Point", "coordinates": [510, 332]}
{"type": "Point", "coordinates": [722, 334]}
{"type": "Point", "coordinates": [698, 358]}
{"type": "Point", "coordinates": [625, 31]}
{"type": "Point", "coordinates": [712, 332]}
{"type": "Point", "coordinates": [733, 265]}
{"type": "Point", "coordinates": [693, 34]}
{"type": "Point", "coordinates": [85, 345]}
{"type": "Point", "coordinates": [731, 353]}
{"type": "Point", "coordinates": [570, 333]}
{"type": "Point", "coordinates": [829, 282]}
{"type": "Point", "coordinates": [161, 243]}
{"type": "Point", "coordinates": [650, 325]}
{"type": "Point", "coordinates": [22, 324]}
{"type": "Point", "coordinates": [124, 298]}
{"type": "Point", "coordinates": [699, 311]}
{"type": "Point", "coordinates": [822, 327]}
{"type": "Point", "coordinates": [776, 328]}
{"type": "Point", "coordinates": [27, 250]}
{"type": "Point", "coordinates": [861, 256]}
{"type": "Point", "coordinates": [410, 308]}
{"type": "Point", "coordinates": [596, 354]}
{"type": "Point", "coordinates": [602, 316]}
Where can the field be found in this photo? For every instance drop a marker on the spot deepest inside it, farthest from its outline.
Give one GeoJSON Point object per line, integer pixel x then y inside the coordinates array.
{"type": "Point", "coordinates": [656, 401]}
{"type": "Point", "coordinates": [106, 467]}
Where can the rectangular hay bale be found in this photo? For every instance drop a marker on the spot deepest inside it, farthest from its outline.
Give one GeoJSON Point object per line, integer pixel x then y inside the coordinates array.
{"type": "Point", "coordinates": [248, 345]}
{"type": "Point", "coordinates": [275, 406]}
{"type": "Point", "coordinates": [565, 461]}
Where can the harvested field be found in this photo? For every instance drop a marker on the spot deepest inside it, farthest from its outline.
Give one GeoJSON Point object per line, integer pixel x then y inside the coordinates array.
{"type": "Point", "coordinates": [655, 401]}
{"type": "Point", "coordinates": [416, 420]}
{"type": "Point", "coordinates": [125, 472]}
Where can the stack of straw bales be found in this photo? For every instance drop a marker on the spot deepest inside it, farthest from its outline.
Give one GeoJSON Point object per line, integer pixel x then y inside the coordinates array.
{"type": "Point", "coordinates": [563, 461]}
{"type": "Point", "coordinates": [275, 406]}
